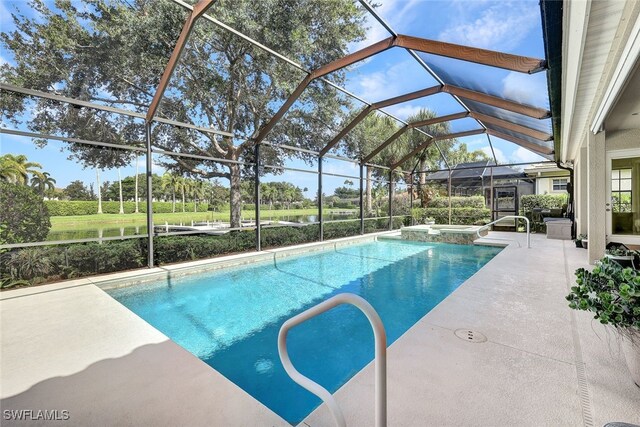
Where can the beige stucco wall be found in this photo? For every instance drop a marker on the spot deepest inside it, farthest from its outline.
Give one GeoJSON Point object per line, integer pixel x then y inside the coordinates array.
{"type": "Point", "coordinates": [623, 139]}
{"type": "Point", "coordinates": [596, 184]}
{"type": "Point", "coordinates": [580, 191]}
{"type": "Point", "coordinates": [545, 186]}
{"type": "Point", "coordinates": [591, 181]}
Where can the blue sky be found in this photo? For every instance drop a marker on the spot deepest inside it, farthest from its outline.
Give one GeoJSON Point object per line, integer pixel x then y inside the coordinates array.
{"type": "Point", "coordinates": [509, 26]}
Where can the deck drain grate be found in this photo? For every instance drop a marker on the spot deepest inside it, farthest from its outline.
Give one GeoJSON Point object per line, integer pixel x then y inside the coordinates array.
{"type": "Point", "coordinates": [470, 336]}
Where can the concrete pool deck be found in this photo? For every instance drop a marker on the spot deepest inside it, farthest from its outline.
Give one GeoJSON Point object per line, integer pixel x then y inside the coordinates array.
{"type": "Point", "coordinates": [70, 346]}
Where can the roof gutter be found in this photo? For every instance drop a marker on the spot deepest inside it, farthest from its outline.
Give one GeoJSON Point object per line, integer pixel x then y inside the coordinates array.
{"type": "Point", "coordinates": [551, 13]}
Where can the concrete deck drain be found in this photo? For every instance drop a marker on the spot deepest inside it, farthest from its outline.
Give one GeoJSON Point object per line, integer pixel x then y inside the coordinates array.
{"type": "Point", "coordinates": [470, 336]}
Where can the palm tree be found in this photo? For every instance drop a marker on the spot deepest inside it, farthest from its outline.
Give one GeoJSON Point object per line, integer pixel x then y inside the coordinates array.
{"type": "Point", "coordinates": [120, 190]}
{"type": "Point", "coordinates": [182, 184]}
{"type": "Point", "coordinates": [16, 169]}
{"type": "Point", "coordinates": [288, 196]}
{"type": "Point", "coordinates": [429, 158]}
{"type": "Point", "coordinates": [169, 181]}
{"type": "Point", "coordinates": [374, 129]}
{"type": "Point", "coordinates": [197, 192]}
{"type": "Point", "coordinates": [136, 188]}
{"type": "Point", "coordinates": [43, 182]}
{"type": "Point", "coordinates": [10, 171]}
{"type": "Point", "coordinates": [99, 191]}
{"type": "Point", "coordinates": [268, 193]}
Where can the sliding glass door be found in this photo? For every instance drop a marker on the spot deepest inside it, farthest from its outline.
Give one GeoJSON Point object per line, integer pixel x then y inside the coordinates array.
{"type": "Point", "coordinates": [623, 201]}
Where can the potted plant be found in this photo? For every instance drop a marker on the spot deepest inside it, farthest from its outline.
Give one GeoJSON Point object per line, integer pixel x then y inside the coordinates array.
{"type": "Point", "coordinates": [612, 292]}
{"type": "Point", "coordinates": [579, 240]}
{"type": "Point", "coordinates": [622, 256]}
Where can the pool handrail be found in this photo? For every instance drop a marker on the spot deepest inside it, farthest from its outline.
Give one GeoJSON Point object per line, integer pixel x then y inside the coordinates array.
{"type": "Point", "coordinates": [380, 338]}
{"type": "Point", "coordinates": [509, 217]}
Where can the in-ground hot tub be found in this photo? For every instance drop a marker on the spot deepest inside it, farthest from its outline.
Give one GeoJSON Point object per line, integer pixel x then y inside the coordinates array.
{"type": "Point", "coordinates": [457, 234]}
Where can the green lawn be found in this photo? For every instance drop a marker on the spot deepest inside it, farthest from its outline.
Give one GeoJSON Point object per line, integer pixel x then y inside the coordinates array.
{"type": "Point", "coordinates": [91, 221]}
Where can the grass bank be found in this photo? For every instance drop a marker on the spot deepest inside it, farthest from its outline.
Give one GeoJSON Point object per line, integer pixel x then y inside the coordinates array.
{"type": "Point", "coordinates": [132, 219]}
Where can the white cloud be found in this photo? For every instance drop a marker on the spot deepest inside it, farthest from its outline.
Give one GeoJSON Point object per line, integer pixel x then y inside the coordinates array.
{"type": "Point", "coordinates": [501, 26]}
{"type": "Point", "coordinates": [394, 12]}
{"type": "Point", "coordinates": [525, 88]}
{"type": "Point", "coordinates": [397, 79]}
{"type": "Point", "coordinates": [499, 154]}
{"type": "Point", "coordinates": [375, 33]}
{"type": "Point", "coordinates": [404, 111]}
{"type": "Point", "coordinates": [373, 84]}
{"type": "Point", "coordinates": [341, 168]}
{"type": "Point", "coordinates": [475, 143]}
{"type": "Point", "coordinates": [5, 14]}
{"type": "Point", "coordinates": [522, 155]}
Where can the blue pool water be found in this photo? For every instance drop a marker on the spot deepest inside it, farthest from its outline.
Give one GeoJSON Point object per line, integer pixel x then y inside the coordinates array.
{"type": "Point", "coordinates": [230, 318]}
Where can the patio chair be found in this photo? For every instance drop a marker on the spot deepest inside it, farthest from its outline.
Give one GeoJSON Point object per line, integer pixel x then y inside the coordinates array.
{"type": "Point", "coordinates": [555, 212]}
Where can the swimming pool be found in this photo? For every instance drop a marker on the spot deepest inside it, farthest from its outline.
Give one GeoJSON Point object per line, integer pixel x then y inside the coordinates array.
{"type": "Point", "coordinates": [230, 318]}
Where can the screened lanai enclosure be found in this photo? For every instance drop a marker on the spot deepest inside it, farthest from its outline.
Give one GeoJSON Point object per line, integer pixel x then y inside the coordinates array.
{"type": "Point", "coordinates": [185, 130]}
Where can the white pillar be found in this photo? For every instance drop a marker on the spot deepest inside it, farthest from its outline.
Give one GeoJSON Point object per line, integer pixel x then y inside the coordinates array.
{"type": "Point", "coordinates": [581, 191]}
{"type": "Point", "coordinates": [596, 199]}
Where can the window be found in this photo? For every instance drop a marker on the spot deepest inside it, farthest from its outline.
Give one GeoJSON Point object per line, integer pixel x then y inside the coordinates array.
{"type": "Point", "coordinates": [621, 190]}
{"type": "Point", "coordinates": [560, 184]}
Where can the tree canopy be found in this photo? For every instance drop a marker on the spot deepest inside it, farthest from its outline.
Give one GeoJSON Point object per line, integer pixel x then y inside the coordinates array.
{"type": "Point", "coordinates": [23, 214]}
{"type": "Point", "coordinates": [114, 52]}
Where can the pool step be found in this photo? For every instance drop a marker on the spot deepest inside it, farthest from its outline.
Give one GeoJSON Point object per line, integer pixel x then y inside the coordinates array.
{"type": "Point", "coordinates": [487, 241]}
{"type": "Point", "coordinates": [390, 236]}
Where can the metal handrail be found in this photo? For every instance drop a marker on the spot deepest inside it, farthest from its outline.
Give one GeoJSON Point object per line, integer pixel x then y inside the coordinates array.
{"type": "Point", "coordinates": [509, 217]}
{"type": "Point", "coordinates": [380, 337]}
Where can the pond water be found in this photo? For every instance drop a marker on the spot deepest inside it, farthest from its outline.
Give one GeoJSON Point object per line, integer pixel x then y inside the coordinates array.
{"type": "Point", "coordinates": [91, 231]}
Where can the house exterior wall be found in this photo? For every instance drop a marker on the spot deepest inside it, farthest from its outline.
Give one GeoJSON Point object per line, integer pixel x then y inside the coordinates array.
{"type": "Point", "coordinates": [591, 185]}
{"type": "Point", "coordinates": [580, 191]}
{"type": "Point", "coordinates": [544, 177]}
{"type": "Point", "coordinates": [623, 139]}
{"type": "Point", "coordinates": [596, 199]}
{"type": "Point", "coordinates": [545, 185]}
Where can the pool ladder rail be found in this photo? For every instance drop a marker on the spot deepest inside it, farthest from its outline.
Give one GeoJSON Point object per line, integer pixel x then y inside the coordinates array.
{"type": "Point", "coordinates": [380, 338]}
{"type": "Point", "coordinates": [509, 217]}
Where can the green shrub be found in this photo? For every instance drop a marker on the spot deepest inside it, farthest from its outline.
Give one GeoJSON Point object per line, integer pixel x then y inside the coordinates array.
{"type": "Point", "coordinates": [23, 215]}
{"type": "Point", "coordinates": [458, 202]}
{"type": "Point", "coordinates": [545, 201]}
{"type": "Point", "coordinates": [337, 230]}
{"type": "Point", "coordinates": [27, 264]}
{"type": "Point", "coordinates": [84, 259]}
{"type": "Point", "coordinates": [460, 216]}
{"type": "Point", "coordinates": [74, 207]}
{"type": "Point", "coordinates": [284, 236]}
{"type": "Point", "coordinates": [170, 249]}
{"type": "Point", "coordinates": [94, 258]}
{"type": "Point", "coordinates": [344, 204]}
{"type": "Point", "coordinates": [73, 260]}
{"type": "Point", "coordinates": [611, 292]}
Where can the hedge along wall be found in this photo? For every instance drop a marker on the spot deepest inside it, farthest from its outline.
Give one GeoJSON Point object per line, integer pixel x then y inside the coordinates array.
{"type": "Point", "coordinates": [58, 262]}
{"type": "Point", "coordinates": [546, 201]}
{"type": "Point", "coordinates": [457, 202]}
{"type": "Point", "coordinates": [69, 208]}
{"type": "Point", "coordinates": [459, 216]}
{"type": "Point", "coordinates": [336, 230]}
{"type": "Point", "coordinates": [464, 211]}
